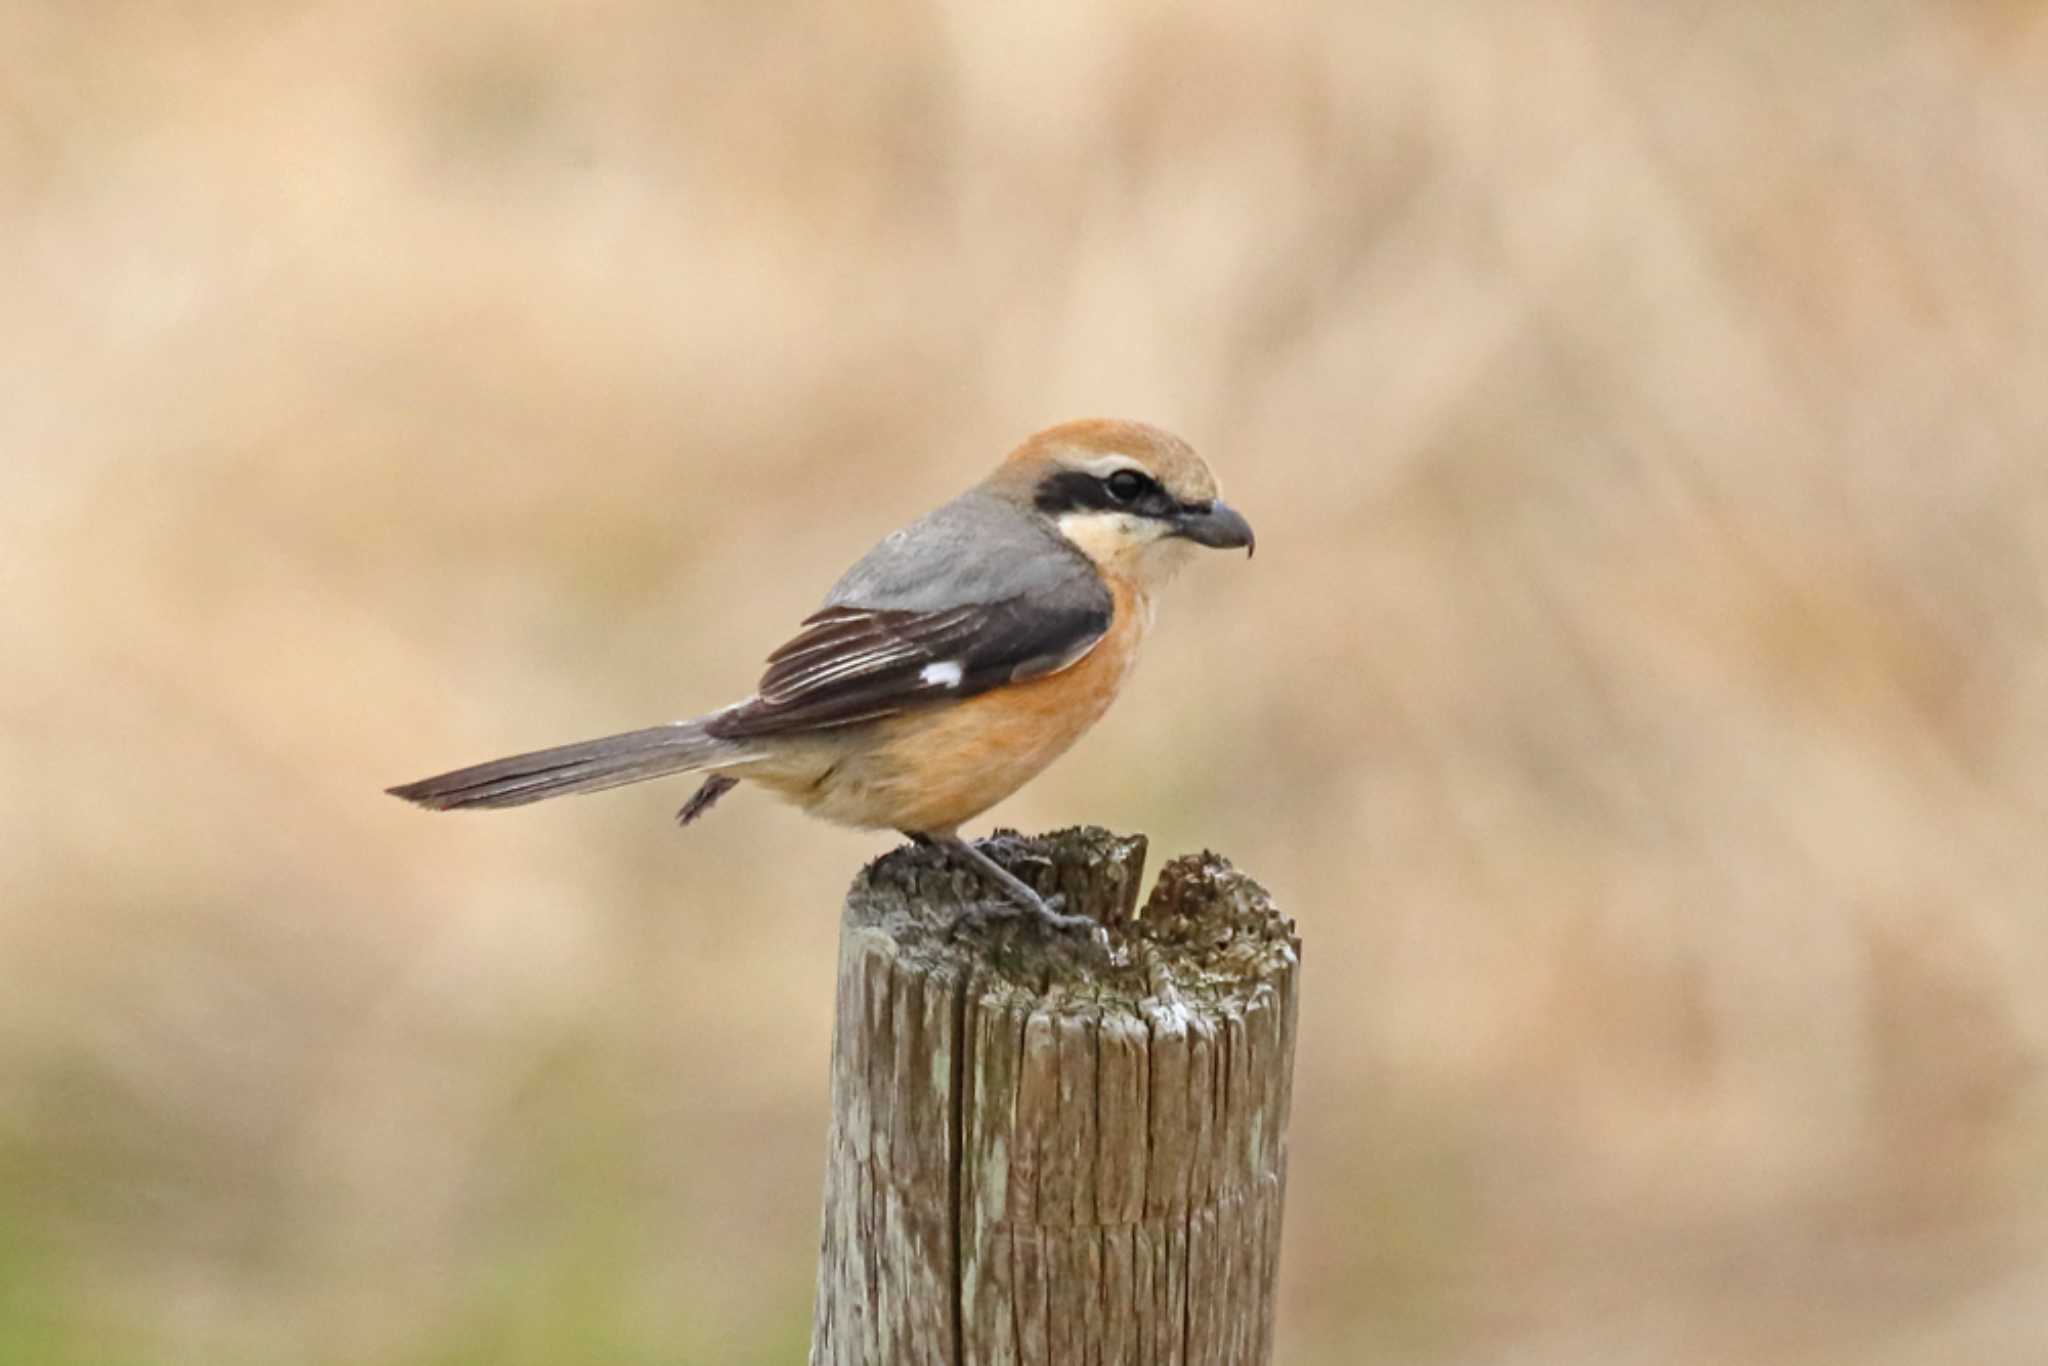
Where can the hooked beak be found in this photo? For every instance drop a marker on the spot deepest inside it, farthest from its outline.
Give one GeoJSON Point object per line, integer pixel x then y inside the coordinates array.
{"type": "Point", "coordinates": [1217, 525]}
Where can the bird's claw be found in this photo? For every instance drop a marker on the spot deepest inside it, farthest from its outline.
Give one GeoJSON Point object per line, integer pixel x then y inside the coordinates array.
{"type": "Point", "coordinates": [1047, 912]}
{"type": "Point", "coordinates": [1066, 922]}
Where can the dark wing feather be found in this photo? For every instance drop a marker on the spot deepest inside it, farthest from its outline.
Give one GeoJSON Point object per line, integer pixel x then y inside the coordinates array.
{"type": "Point", "coordinates": [853, 664]}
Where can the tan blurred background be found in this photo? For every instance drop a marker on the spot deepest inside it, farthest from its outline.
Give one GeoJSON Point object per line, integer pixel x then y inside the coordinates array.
{"type": "Point", "coordinates": [1640, 696]}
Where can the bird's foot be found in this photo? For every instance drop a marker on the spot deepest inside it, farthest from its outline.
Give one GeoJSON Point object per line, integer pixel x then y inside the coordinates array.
{"type": "Point", "coordinates": [1045, 910]}
{"type": "Point", "coordinates": [705, 797]}
{"type": "Point", "coordinates": [1017, 897]}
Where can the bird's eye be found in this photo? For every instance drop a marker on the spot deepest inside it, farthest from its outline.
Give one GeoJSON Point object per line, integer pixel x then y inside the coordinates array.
{"type": "Point", "coordinates": [1127, 486]}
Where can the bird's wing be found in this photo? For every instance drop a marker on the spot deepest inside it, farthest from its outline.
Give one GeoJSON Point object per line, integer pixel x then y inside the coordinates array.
{"type": "Point", "coordinates": [972, 597]}
{"type": "Point", "coordinates": [853, 664]}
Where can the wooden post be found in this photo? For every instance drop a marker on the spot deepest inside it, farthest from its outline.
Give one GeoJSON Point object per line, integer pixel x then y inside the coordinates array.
{"type": "Point", "coordinates": [1049, 1152]}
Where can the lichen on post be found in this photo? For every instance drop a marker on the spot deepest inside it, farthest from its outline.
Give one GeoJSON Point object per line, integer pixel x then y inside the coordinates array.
{"type": "Point", "coordinates": [1048, 1149]}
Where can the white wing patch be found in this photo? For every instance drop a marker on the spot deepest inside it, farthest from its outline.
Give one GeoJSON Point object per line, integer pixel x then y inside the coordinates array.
{"type": "Point", "coordinates": [945, 674]}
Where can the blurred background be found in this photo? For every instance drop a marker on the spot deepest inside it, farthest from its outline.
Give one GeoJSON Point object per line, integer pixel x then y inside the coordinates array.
{"type": "Point", "coordinates": [1640, 697]}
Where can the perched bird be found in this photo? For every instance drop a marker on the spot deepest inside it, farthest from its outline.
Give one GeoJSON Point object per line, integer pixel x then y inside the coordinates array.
{"type": "Point", "coordinates": [948, 667]}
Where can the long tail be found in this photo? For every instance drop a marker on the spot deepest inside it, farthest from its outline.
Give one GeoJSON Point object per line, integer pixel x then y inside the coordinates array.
{"type": "Point", "coordinates": [590, 766]}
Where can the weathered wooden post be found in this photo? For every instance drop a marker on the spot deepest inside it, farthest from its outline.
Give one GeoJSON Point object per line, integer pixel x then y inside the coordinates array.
{"type": "Point", "coordinates": [1045, 1151]}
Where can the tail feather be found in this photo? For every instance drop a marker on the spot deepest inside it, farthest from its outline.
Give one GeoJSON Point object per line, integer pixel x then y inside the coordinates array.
{"type": "Point", "coordinates": [590, 766]}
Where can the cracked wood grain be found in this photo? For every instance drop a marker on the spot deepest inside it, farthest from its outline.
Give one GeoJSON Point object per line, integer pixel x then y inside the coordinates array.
{"type": "Point", "coordinates": [1047, 1152]}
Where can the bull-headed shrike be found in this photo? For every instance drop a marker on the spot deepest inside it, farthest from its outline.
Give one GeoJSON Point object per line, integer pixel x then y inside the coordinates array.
{"type": "Point", "coordinates": [948, 667]}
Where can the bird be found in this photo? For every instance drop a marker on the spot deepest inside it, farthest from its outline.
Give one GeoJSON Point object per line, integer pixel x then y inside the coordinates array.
{"type": "Point", "coordinates": [947, 668]}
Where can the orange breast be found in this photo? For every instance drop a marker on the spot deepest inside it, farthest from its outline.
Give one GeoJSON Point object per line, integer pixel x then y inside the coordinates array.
{"type": "Point", "coordinates": [930, 770]}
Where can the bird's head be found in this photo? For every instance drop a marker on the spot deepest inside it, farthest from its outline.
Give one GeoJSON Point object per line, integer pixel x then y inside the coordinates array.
{"type": "Point", "coordinates": [1133, 498]}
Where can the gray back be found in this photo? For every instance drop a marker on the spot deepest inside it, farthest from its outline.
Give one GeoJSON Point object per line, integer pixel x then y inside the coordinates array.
{"type": "Point", "coordinates": [978, 548]}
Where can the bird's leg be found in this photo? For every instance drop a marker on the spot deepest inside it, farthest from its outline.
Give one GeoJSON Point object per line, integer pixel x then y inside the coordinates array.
{"type": "Point", "coordinates": [1025, 900]}
{"type": "Point", "coordinates": [715, 786]}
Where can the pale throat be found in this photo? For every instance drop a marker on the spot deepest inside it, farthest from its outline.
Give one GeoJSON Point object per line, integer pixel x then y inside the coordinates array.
{"type": "Point", "coordinates": [1137, 550]}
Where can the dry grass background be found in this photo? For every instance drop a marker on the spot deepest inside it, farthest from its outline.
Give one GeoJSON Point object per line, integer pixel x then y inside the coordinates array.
{"type": "Point", "coordinates": [1640, 696]}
